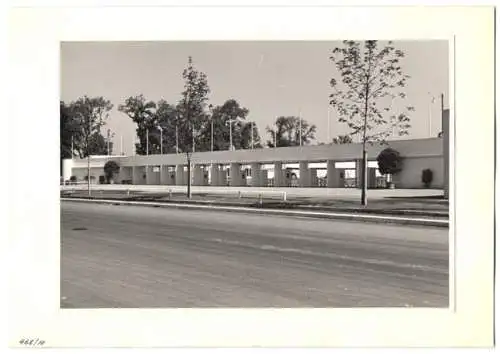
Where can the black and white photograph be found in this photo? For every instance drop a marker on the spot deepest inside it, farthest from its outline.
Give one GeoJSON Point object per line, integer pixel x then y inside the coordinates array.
{"type": "Point", "coordinates": [254, 174]}
{"type": "Point", "coordinates": [251, 176]}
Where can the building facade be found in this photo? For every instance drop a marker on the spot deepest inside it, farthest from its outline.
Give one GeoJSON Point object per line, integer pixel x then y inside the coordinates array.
{"type": "Point", "coordinates": [280, 165]}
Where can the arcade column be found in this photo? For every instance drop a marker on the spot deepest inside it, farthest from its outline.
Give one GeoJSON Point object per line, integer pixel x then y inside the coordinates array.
{"type": "Point", "coordinates": [304, 174]}
{"type": "Point", "coordinates": [235, 173]}
{"type": "Point", "coordinates": [332, 176]}
{"type": "Point", "coordinates": [256, 175]}
{"type": "Point", "coordinates": [214, 175]}
{"type": "Point", "coordinates": [197, 175]}
{"type": "Point", "coordinates": [179, 175]}
{"type": "Point", "coordinates": [278, 174]}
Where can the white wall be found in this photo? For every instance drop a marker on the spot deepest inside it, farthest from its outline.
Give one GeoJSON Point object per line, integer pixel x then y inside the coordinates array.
{"type": "Point", "coordinates": [315, 153]}
{"type": "Point", "coordinates": [80, 173]}
{"type": "Point", "coordinates": [67, 168]}
{"type": "Point", "coordinates": [418, 154]}
{"type": "Point", "coordinates": [411, 175]}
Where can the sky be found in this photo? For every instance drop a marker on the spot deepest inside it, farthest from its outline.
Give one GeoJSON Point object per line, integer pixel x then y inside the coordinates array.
{"type": "Point", "coordinates": [270, 78]}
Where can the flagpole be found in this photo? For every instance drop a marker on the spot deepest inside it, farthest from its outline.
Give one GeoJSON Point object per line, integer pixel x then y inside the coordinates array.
{"type": "Point", "coordinates": [442, 105]}
{"type": "Point", "coordinates": [432, 100]}
{"type": "Point", "coordinates": [108, 140]}
{"type": "Point", "coordinates": [192, 133]}
{"type": "Point", "coordinates": [161, 140]}
{"type": "Point", "coordinates": [430, 117]}
{"type": "Point", "coordinates": [252, 133]}
{"type": "Point", "coordinates": [176, 140]}
{"type": "Point", "coordinates": [230, 134]}
{"type": "Point", "coordinates": [328, 131]}
{"type": "Point", "coordinates": [300, 128]}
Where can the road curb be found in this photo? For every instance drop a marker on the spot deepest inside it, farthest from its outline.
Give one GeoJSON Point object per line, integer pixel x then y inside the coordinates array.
{"type": "Point", "coordinates": [309, 214]}
{"type": "Point", "coordinates": [298, 207]}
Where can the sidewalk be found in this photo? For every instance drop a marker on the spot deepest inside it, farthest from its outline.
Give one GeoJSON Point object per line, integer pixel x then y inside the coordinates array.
{"type": "Point", "coordinates": [333, 201]}
{"type": "Point", "coordinates": [335, 193]}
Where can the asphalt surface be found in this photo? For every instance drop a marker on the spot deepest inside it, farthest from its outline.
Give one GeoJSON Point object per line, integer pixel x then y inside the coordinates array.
{"type": "Point", "coordinates": [139, 257]}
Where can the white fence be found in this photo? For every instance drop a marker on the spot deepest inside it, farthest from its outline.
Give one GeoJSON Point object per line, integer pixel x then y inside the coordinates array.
{"type": "Point", "coordinates": [224, 191]}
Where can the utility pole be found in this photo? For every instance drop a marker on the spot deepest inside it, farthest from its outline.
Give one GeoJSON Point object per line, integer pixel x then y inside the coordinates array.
{"type": "Point", "coordinates": [147, 142]}
{"type": "Point", "coordinates": [72, 147]}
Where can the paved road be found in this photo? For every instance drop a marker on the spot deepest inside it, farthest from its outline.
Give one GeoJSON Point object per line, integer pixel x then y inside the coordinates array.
{"type": "Point", "coordinates": [124, 256]}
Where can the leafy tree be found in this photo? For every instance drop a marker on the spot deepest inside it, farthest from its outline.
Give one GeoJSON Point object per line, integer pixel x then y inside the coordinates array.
{"type": "Point", "coordinates": [239, 133]}
{"type": "Point", "coordinates": [167, 119]}
{"type": "Point", "coordinates": [246, 130]}
{"type": "Point", "coordinates": [90, 115]}
{"type": "Point", "coordinates": [71, 133]}
{"type": "Point", "coordinates": [286, 132]}
{"type": "Point", "coordinates": [111, 168]}
{"type": "Point", "coordinates": [342, 139]}
{"type": "Point", "coordinates": [371, 79]}
{"type": "Point", "coordinates": [389, 162]}
{"type": "Point", "coordinates": [191, 112]}
{"type": "Point", "coordinates": [68, 132]}
{"type": "Point", "coordinates": [191, 109]}
{"type": "Point", "coordinates": [99, 144]}
{"type": "Point", "coordinates": [142, 113]}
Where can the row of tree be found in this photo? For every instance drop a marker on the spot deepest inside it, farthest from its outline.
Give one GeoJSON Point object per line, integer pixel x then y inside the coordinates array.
{"type": "Point", "coordinates": [191, 124]}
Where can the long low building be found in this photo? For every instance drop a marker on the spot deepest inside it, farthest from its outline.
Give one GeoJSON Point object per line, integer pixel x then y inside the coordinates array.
{"type": "Point", "coordinates": [255, 167]}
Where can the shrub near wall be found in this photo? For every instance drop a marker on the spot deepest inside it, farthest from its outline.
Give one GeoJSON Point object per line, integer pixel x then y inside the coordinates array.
{"type": "Point", "coordinates": [427, 177]}
{"type": "Point", "coordinates": [390, 163]}
{"type": "Point", "coordinates": [111, 169]}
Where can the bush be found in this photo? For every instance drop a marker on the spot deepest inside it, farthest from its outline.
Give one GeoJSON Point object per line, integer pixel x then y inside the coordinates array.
{"type": "Point", "coordinates": [111, 168]}
{"type": "Point", "coordinates": [389, 162]}
{"type": "Point", "coordinates": [427, 176]}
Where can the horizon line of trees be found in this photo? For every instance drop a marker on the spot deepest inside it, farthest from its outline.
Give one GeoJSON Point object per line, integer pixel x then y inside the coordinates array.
{"type": "Point", "coordinates": [183, 126]}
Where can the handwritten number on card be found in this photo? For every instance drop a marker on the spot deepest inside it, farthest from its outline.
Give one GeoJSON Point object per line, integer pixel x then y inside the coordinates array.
{"type": "Point", "coordinates": [31, 342]}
